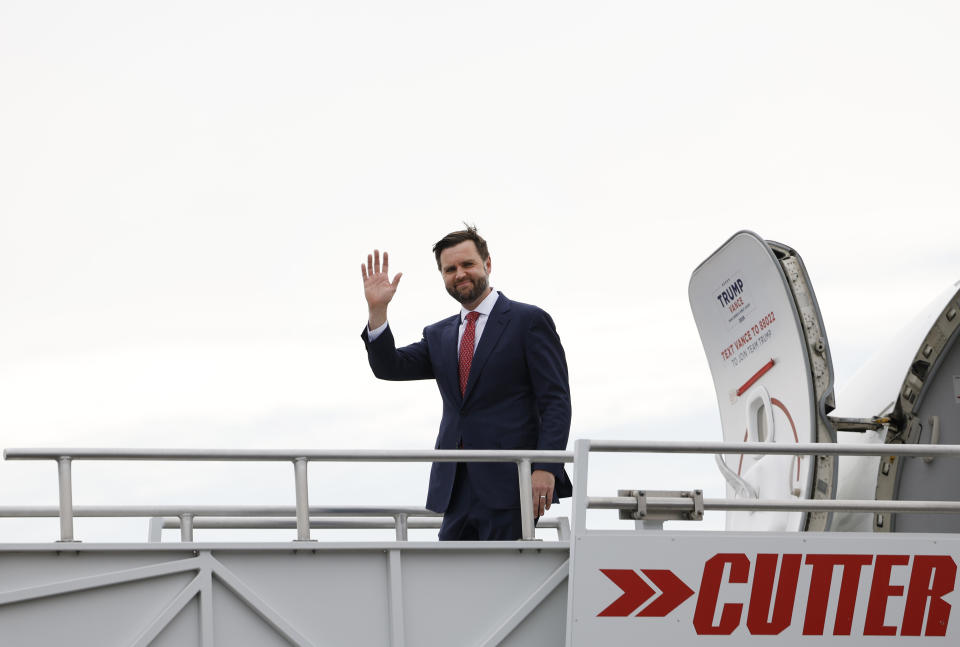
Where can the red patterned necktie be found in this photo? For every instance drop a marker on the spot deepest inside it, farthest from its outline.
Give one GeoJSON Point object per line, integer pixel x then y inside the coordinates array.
{"type": "Point", "coordinates": [466, 349]}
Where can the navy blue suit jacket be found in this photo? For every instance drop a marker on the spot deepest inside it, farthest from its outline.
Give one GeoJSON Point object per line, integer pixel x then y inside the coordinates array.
{"type": "Point", "coordinates": [517, 396]}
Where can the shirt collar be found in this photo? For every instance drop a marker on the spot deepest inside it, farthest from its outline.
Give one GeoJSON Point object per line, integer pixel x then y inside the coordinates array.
{"type": "Point", "coordinates": [485, 307]}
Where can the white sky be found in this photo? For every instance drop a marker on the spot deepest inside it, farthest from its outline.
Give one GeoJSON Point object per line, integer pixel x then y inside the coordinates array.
{"type": "Point", "coordinates": [187, 189]}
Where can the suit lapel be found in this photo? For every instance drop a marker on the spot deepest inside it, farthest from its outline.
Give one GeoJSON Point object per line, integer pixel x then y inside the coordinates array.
{"type": "Point", "coordinates": [496, 324]}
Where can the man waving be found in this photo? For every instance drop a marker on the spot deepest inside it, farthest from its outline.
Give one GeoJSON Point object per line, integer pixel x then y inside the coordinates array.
{"type": "Point", "coordinates": [502, 376]}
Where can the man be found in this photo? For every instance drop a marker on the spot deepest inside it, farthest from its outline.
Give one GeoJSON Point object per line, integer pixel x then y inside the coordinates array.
{"type": "Point", "coordinates": [502, 376]}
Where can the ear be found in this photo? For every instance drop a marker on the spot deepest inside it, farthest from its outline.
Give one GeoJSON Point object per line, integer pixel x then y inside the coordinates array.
{"type": "Point", "coordinates": [486, 264]}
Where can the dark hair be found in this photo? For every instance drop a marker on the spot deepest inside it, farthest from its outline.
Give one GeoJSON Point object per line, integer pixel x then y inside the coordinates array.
{"type": "Point", "coordinates": [456, 237]}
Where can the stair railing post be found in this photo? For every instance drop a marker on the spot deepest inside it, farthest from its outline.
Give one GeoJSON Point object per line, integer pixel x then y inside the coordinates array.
{"type": "Point", "coordinates": [303, 504]}
{"type": "Point", "coordinates": [526, 499]}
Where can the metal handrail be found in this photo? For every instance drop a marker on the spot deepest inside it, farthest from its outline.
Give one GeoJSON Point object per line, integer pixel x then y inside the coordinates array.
{"type": "Point", "coordinates": [521, 458]}
{"type": "Point", "coordinates": [266, 455]}
{"type": "Point", "coordinates": [213, 511]}
{"type": "Point", "coordinates": [399, 522]}
{"type": "Point", "coordinates": [186, 524]}
{"type": "Point", "coordinates": [301, 459]}
{"type": "Point", "coordinates": [188, 517]}
{"type": "Point", "coordinates": [684, 504]}
{"type": "Point", "coordinates": [808, 449]}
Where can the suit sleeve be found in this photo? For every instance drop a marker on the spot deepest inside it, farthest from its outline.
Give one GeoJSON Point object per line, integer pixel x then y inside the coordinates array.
{"type": "Point", "coordinates": [391, 363]}
{"type": "Point", "coordinates": [547, 364]}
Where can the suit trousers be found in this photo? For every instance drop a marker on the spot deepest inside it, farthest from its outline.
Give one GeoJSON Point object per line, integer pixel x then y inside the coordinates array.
{"type": "Point", "coordinates": [468, 519]}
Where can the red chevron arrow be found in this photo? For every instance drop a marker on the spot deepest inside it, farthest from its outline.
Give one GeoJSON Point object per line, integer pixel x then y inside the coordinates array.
{"type": "Point", "coordinates": [635, 592]}
{"type": "Point", "coordinates": [672, 593]}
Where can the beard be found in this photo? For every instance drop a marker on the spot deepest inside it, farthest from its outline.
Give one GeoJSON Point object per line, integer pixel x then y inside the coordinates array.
{"type": "Point", "coordinates": [478, 287]}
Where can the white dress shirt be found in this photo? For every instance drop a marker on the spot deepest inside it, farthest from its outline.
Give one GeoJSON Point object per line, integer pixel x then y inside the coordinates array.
{"type": "Point", "coordinates": [485, 308]}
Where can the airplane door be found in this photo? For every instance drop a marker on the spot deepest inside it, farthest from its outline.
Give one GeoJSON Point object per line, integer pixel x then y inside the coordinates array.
{"type": "Point", "coordinates": [766, 345]}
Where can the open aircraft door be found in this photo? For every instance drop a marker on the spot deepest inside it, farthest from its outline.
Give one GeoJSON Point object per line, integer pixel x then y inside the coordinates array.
{"type": "Point", "coordinates": [767, 348]}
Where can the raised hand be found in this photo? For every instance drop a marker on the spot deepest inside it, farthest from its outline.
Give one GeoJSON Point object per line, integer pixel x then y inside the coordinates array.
{"type": "Point", "coordinates": [377, 287]}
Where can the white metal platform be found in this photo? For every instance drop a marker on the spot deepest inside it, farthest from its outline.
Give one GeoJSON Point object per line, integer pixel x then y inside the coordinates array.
{"type": "Point", "coordinates": [591, 587]}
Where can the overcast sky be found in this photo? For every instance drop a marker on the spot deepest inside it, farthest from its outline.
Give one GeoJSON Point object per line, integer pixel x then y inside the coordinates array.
{"type": "Point", "coordinates": [187, 190]}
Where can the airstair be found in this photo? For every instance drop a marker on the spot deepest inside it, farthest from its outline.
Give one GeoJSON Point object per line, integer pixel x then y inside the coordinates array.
{"type": "Point", "coordinates": [574, 585]}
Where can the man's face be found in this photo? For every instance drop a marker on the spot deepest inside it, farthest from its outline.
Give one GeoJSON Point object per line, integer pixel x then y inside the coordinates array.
{"type": "Point", "coordinates": [465, 274]}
